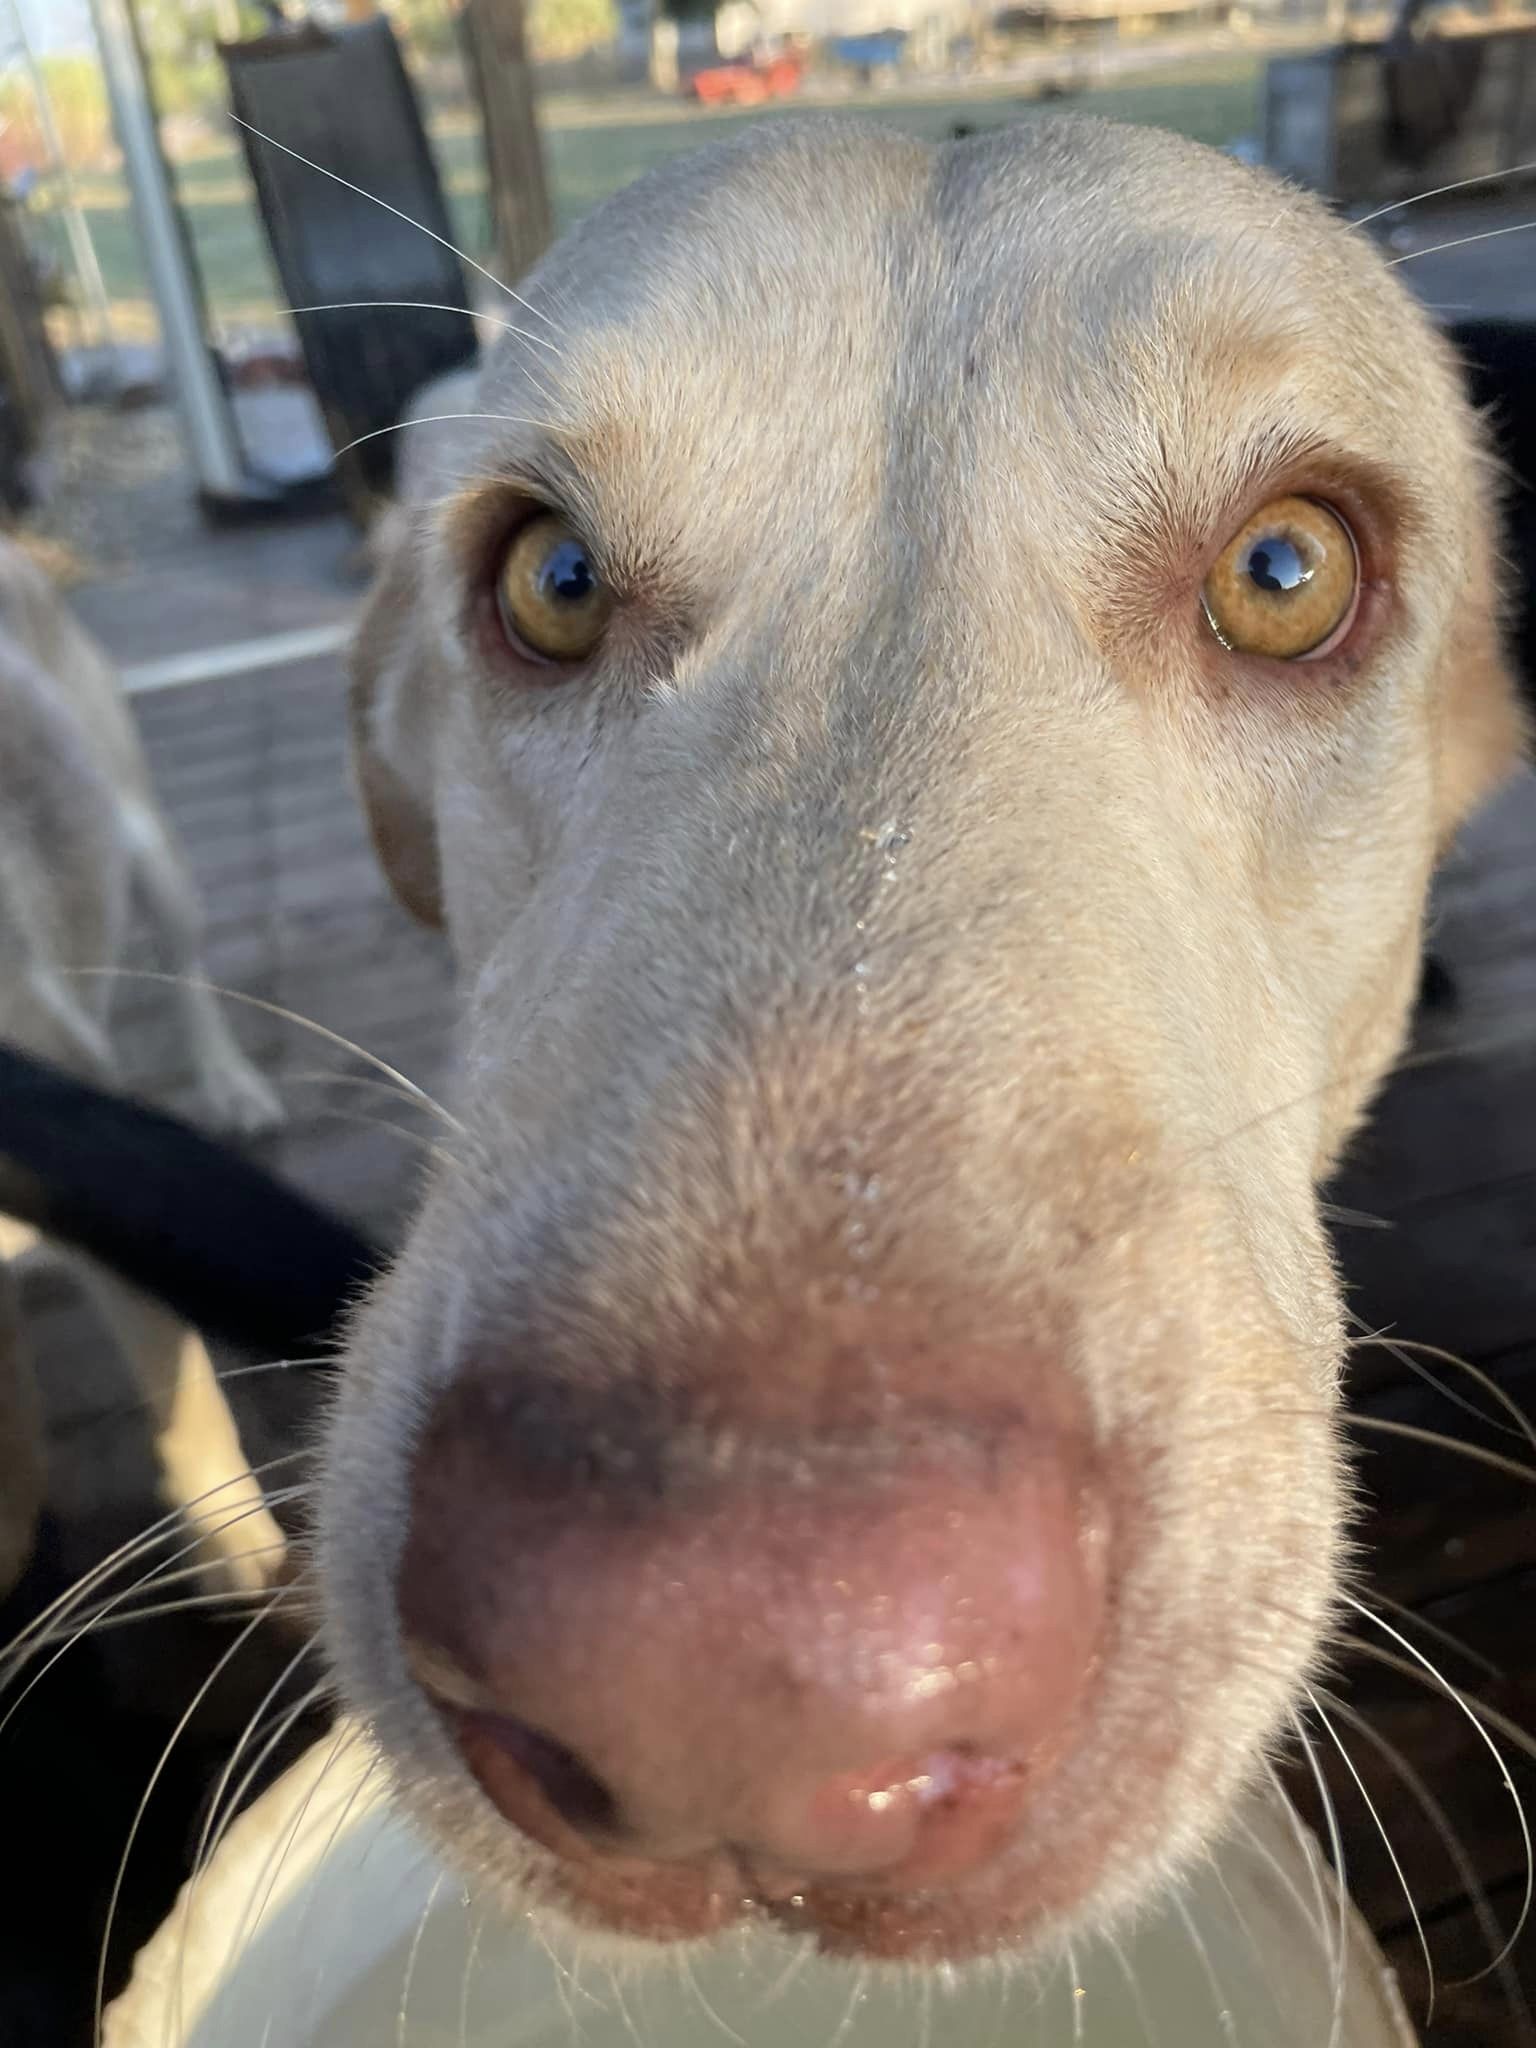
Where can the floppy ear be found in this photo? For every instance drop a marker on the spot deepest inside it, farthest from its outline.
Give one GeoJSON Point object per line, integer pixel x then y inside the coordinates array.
{"type": "Point", "coordinates": [1484, 725]}
{"type": "Point", "coordinates": [392, 720]}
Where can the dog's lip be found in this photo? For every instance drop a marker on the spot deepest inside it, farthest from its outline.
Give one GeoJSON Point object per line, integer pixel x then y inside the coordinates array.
{"type": "Point", "coordinates": [871, 1918]}
{"type": "Point", "coordinates": [676, 1902]}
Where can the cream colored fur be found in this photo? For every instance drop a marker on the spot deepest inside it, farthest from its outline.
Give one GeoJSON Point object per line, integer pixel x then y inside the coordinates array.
{"type": "Point", "coordinates": [80, 836]}
{"type": "Point", "coordinates": [914, 883]}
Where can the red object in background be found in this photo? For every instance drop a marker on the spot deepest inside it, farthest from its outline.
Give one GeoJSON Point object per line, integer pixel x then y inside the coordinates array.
{"type": "Point", "coordinates": [748, 84]}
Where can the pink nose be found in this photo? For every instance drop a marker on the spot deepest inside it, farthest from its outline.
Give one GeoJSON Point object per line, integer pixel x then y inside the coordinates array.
{"type": "Point", "coordinates": [822, 1664]}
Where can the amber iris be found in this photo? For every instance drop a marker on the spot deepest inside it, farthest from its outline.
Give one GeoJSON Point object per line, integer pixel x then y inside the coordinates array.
{"type": "Point", "coordinates": [1285, 583]}
{"type": "Point", "coordinates": [553, 602]}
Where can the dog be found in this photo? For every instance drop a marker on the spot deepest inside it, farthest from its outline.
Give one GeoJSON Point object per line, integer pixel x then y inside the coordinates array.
{"type": "Point", "coordinates": [81, 839]}
{"type": "Point", "coordinates": [927, 711]}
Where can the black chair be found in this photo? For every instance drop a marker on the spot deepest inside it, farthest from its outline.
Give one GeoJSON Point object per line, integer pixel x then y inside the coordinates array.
{"type": "Point", "coordinates": [342, 98]}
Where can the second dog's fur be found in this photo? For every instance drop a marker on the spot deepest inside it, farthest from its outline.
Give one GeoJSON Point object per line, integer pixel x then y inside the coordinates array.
{"type": "Point", "coordinates": [81, 839]}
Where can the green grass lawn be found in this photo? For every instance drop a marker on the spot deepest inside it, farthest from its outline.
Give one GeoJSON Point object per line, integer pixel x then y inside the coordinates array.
{"type": "Point", "coordinates": [594, 149]}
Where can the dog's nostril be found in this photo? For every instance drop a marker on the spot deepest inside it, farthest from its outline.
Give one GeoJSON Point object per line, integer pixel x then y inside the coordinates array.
{"type": "Point", "coordinates": [582, 1801]}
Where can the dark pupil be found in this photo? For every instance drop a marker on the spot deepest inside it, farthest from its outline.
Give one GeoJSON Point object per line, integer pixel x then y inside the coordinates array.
{"type": "Point", "coordinates": [1276, 564]}
{"type": "Point", "coordinates": [567, 574]}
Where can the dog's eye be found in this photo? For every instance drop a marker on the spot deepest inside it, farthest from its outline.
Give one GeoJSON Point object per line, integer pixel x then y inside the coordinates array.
{"type": "Point", "coordinates": [553, 602]}
{"type": "Point", "coordinates": [1285, 585]}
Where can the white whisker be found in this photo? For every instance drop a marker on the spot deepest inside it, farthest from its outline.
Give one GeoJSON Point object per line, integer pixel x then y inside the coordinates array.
{"type": "Point", "coordinates": [111, 1606]}
{"type": "Point", "coordinates": [437, 419]}
{"type": "Point", "coordinates": [1312, 1856]}
{"type": "Point", "coordinates": [1410, 1353]}
{"type": "Point", "coordinates": [1440, 192]}
{"type": "Point", "coordinates": [1340, 1880]}
{"type": "Point", "coordinates": [374, 200]}
{"type": "Point", "coordinates": [1133, 1989]}
{"type": "Point", "coordinates": [1495, 1460]}
{"type": "Point", "coordinates": [164, 1530]}
{"type": "Point", "coordinates": [286, 1016]}
{"type": "Point", "coordinates": [1454, 1693]}
{"type": "Point", "coordinates": [471, 1957]}
{"type": "Point", "coordinates": [1519, 227]}
{"type": "Point", "coordinates": [1412, 1619]}
{"type": "Point", "coordinates": [1224, 2018]}
{"type": "Point", "coordinates": [148, 1793]}
{"type": "Point", "coordinates": [426, 306]}
{"type": "Point", "coordinates": [696, 1989]}
{"type": "Point", "coordinates": [401, 2037]}
{"type": "Point", "coordinates": [1462, 1863]}
{"type": "Point", "coordinates": [223, 1810]}
{"type": "Point", "coordinates": [1386, 1842]}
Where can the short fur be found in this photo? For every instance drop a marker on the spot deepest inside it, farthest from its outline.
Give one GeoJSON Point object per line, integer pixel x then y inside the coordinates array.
{"type": "Point", "coordinates": [915, 903]}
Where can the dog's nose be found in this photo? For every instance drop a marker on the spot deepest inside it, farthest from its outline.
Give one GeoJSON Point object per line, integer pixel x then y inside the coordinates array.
{"type": "Point", "coordinates": [814, 1662]}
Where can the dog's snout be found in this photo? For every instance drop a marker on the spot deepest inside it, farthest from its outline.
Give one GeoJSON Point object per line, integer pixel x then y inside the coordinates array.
{"type": "Point", "coordinates": [804, 1661]}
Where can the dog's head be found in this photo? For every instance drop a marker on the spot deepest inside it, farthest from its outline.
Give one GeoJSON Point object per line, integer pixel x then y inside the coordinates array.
{"type": "Point", "coordinates": [927, 716]}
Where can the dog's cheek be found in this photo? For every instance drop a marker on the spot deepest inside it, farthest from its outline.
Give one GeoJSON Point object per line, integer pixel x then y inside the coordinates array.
{"type": "Point", "coordinates": [392, 739]}
{"type": "Point", "coordinates": [404, 836]}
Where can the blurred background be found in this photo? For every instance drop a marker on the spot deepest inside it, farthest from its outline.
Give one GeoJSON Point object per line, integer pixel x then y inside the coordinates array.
{"type": "Point", "coordinates": [196, 457]}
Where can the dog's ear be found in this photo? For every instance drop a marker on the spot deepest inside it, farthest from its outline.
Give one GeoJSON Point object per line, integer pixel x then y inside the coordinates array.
{"type": "Point", "coordinates": [1485, 729]}
{"type": "Point", "coordinates": [392, 719]}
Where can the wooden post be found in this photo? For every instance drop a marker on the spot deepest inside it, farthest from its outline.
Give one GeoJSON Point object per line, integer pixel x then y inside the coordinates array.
{"type": "Point", "coordinates": [29, 388]}
{"type": "Point", "coordinates": [497, 49]}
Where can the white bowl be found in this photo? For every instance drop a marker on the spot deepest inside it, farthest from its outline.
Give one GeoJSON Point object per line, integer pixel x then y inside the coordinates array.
{"type": "Point", "coordinates": [324, 1922]}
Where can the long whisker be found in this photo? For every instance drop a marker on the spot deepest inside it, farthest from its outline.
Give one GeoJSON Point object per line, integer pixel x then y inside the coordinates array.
{"type": "Point", "coordinates": [1386, 1842]}
{"type": "Point", "coordinates": [244, 1372]}
{"type": "Point", "coordinates": [230, 1604]}
{"type": "Point", "coordinates": [1477, 1721]}
{"type": "Point", "coordinates": [426, 306]}
{"type": "Point", "coordinates": [1411, 1618]}
{"type": "Point", "coordinates": [265, 1880]}
{"type": "Point", "coordinates": [418, 1139]}
{"type": "Point", "coordinates": [1495, 1460]}
{"type": "Point", "coordinates": [1403, 1349]}
{"type": "Point", "coordinates": [436, 419]}
{"type": "Point", "coordinates": [111, 1607]}
{"type": "Point", "coordinates": [1133, 1987]}
{"type": "Point", "coordinates": [1312, 1856]}
{"type": "Point", "coordinates": [171, 1524]}
{"type": "Point", "coordinates": [1519, 227]}
{"type": "Point", "coordinates": [214, 1823]}
{"type": "Point", "coordinates": [320, 1078]}
{"type": "Point", "coordinates": [1466, 1871]}
{"type": "Point", "coordinates": [696, 1991]}
{"type": "Point", "coordinates": [286, 1016]}
{"type": "Point", "coordinates": [148, 1793]}
{"type": "Point", "coordinates": [401, 2037]}
{"type": "Point", "coordinates": [1224, 2018]}
{"type": "Point", "coordinates": [851, 2012]}
{"type": "Point", "coordinates": [471, 1957]}
{"type": "Point", "coordinates": [1340, 1879]}
{"type": "Point", "coordinates": [1440, 192]}
{"type": "Point", "coordinates": [225, 1807]}
{"type": "Point", "coordinates": [374, 200]}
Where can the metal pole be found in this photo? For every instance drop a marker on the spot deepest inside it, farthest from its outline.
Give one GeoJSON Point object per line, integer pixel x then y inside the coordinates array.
{"type": "Point", "coordinates": [207, 419]}
{"type": "Point", "coordinates": [81, 247]}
